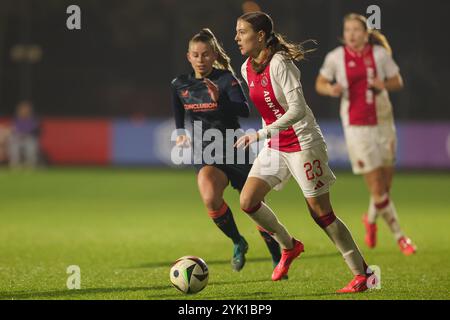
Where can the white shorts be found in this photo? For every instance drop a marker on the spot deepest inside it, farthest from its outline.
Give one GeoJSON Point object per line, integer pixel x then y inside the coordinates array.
{"type": "Point", "coordinates": [371, 147]}
{"type": "Point", "coordinates": [308, 167]}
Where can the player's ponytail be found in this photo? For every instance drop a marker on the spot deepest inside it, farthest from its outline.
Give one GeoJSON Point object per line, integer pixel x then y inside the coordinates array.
{"type": "Point", "coordinates": [296, 51]}
{"type": "Point", "coordinates": [275, 42]}
{"type": "Point", "coordinates": [375, 36]}
{"type": "Point", "coordinates": [223, 61]}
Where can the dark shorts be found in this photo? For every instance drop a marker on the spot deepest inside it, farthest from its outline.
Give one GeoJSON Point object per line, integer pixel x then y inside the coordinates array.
{"type": "Point", "coordinates": [236, 173]}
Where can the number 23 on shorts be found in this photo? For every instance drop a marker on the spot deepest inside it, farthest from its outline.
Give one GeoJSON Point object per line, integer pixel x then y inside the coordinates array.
{"type": "Point", "coordinates": [313, 170]}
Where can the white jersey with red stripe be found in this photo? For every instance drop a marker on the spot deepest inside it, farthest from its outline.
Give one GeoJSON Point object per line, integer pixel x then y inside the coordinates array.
{"type": "Point", "coordinates": [277, 94]}
{"type": "Point", "coordinates": [360, 105]}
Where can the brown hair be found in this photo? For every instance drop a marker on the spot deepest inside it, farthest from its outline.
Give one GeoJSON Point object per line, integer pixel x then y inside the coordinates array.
{"type": "Point", "coordinates": [223, 61]}
{"type": "Point", "coordinates": [275, 42]}
{"type": "Point", "coordinates": [375, 36]}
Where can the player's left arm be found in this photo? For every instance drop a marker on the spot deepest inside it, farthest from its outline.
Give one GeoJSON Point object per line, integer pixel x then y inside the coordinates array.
{"type": "Point", "coordinates": [394, 84]}
{"type": "Point", "coordinates": [393, 81]}
{"type": "Point", "coordinates": [287, 76]}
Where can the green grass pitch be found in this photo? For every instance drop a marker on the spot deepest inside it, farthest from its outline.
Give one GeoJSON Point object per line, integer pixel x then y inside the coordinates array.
{"type": "Point", "coordinates": [124, 228]}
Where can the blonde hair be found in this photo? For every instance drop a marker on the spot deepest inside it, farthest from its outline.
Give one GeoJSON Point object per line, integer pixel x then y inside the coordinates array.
{"type": "Point", "coordinates": [223, 61]}
{"type": "Point", "coordinates": [375, 36]}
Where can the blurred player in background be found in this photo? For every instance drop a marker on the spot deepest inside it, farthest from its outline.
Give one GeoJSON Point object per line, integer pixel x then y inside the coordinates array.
{"type": "Point", "coordinates": [23, 141]}
{"type": "Point", "coordinates": [296, 143]}
{"type": "Point", "coordinates": [213, 98]}
{"type": "Point", "coordinates": [4, 136]}
{"type": "Point", "coordinates": [364, 72]}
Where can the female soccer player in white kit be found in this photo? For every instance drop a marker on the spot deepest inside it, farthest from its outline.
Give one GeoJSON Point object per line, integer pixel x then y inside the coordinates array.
{"type": "Point", "coordinates": [296, 146]}
{"type": "Point", "coordinates": [364, 72]}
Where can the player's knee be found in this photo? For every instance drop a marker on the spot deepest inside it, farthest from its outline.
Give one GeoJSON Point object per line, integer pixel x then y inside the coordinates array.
{"type": "Point", "coordinates": [212, 201]}
{"type": "Point", "coordinates": [245, 201]}
{"type": "Point", "coordinates": [316, 211]}
{"type": "Point", "coordinates": [248, 202]}
{"type": "Point", "coordinates": [319, 206]}
{"type": "Point", "coordinates": [213, 204]}
{"type": "Point", "coordinates": [325, 220]}
{"type": "Point", "coordinates": [379, 192]}
{"type": "Point", "coordinates": [379, 187]}
{"type": "Point", "coordinates": [322, 217]}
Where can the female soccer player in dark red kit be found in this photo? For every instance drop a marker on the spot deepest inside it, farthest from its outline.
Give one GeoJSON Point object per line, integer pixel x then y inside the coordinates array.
{"type": "Point", "coordinates": [213, 99]}
{"type": "Point", "coordinates": [296, 147]}
{"type": "Point", "coordinates": [364, 72]}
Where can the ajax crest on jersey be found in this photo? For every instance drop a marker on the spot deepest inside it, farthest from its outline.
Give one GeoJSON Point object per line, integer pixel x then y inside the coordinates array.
{"type": "Point", "coordinates": [189, 274]}
{"type": "Point", "coordinates": [264, 81]}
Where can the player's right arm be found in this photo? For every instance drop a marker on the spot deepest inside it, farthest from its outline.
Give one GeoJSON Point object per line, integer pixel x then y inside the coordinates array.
{"type": "Point", "coordinates": [179, 112]}
{"type": "Point", "coordinates": [326, 88]}
{"type": "Point", "coordinates": [324, 80]}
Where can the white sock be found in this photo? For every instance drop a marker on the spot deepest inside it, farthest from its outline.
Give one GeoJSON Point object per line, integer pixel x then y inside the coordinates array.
{"type": "Point", "coordinates": [385, 208]}
{"type": "Point", "coordinates": [389, 214]}
{"type": "Point", "coordinates": [372, 212]}
{"type": "Point", "coordinates": [265, 217]}
{"type": "Point", "coordinates": [338, 232]}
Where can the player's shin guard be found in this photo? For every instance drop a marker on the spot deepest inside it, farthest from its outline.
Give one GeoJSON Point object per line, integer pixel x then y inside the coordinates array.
{"type": "Point", "coordinates": [338, 232]}
{"type": "Point", "coordinates": [223, 218]}
{"type": "Point", "coordinates": [265, 218]}
{"type": "Point", "coordinates": [271, 243]}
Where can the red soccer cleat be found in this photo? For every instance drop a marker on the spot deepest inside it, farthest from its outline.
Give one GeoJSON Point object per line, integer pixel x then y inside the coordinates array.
{"type": "Point", "coordinates": [406, 246]}
{"type": "Point", "coordinates": [371, 232]}
{"type": "Point", "coordinates": [358, 284]}
{"type": "Point", "coordinates": [287, 256]}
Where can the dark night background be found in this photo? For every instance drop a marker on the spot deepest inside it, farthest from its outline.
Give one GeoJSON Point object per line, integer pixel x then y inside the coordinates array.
{"type": "Point", "coordinates": [121, 62]}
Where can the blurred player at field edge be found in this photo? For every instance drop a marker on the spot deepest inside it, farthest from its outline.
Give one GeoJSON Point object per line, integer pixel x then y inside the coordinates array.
{"type": "Point", "coordinates": [24, 137]}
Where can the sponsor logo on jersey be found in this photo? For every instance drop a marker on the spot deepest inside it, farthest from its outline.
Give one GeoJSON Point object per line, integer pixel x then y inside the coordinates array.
{"type": "Point", "coordinates": [276, 111]}
{"type": "Point", "coordinates": [197, 107]}
{"type": "Point", "coordinates": [351, 64]}
{"type": "Point", "coordinates": [185, 93]}
{"type": "Point", "coordinates": [252, 85]}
